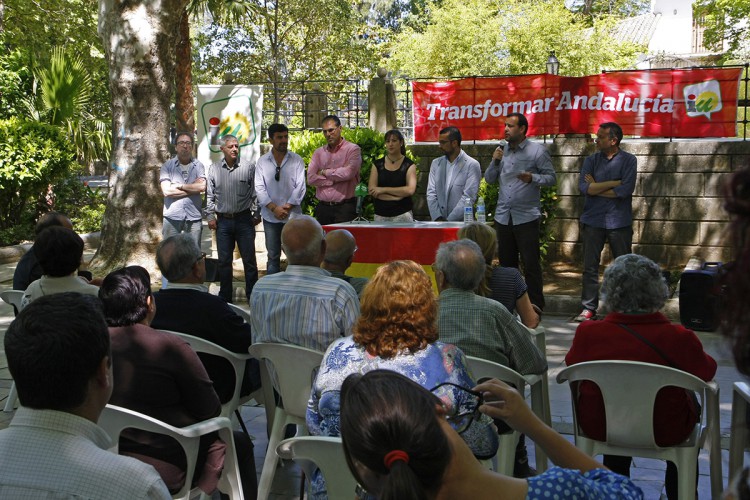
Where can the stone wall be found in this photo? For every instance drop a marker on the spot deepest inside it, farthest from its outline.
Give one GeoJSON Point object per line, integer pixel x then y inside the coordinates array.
{"type": "Point", "coordinates": [677, 203]}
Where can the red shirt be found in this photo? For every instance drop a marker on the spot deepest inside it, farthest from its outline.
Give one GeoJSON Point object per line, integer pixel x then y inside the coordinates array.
{"type": "Point", "coordinates": [675, 413]}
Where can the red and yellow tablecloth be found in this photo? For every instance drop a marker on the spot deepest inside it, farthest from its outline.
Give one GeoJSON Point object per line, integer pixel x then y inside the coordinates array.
{"type": "Point", "coordinates": [378, 243]}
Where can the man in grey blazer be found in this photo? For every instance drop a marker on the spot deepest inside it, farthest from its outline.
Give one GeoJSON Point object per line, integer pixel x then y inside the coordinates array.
{"type": "Point", "coordinates": [452, 177]}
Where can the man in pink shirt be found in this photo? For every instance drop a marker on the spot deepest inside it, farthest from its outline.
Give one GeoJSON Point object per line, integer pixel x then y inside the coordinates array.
{"type": "Point", "coordinates": [334, 171]}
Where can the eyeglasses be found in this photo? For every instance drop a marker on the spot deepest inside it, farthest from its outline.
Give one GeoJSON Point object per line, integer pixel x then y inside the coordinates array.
{"type": "Point", "coordinates": [278, 174]}
{"type": "Point", "coordinates": [203, 256]}
{"type": "Point", "coordinates": [461, 404]}
{"type": "Point", "coordinates": [184, 143]}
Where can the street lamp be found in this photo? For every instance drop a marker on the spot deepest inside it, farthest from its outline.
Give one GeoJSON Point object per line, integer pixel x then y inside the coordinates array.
{"type": "Point", "coordinates": [553, 65]}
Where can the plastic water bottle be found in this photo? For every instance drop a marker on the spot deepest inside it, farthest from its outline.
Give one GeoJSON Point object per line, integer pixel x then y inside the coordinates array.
{"type": "Point", "coordinates": [468, 210]}
{"type": "Point", "coordinates": [481, 214]}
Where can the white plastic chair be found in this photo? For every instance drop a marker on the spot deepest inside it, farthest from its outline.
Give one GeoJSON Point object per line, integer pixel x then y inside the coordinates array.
{"type": "Point", "coordinates": [12, 298]}
{"type": "Point", "coordinates": [738, 440]}
{"type": "Point", "coordinates": [240, 312]}
{"type": "Point", "coordinates": [484, 369]}
{"type": "Point", "coordinates": [115, 419]}
{"type": "Point", "coordinates": [327, 453]}
{"type": "Point", "coordinates": [629, 391]}
{"type": "Point", "coordinates": [294, 367]}
{"type": "Point", "coordinates": [238, 362]}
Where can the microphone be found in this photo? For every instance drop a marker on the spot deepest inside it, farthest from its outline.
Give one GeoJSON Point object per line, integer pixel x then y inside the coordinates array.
{"type": "Point", "coordinates": [360, 192]}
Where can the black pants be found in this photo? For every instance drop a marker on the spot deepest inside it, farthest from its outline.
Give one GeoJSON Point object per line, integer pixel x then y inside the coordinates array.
{"type": "Point", "coordinates": [327, 214]}
{"type": "Point", "coordinates": [522, 239]}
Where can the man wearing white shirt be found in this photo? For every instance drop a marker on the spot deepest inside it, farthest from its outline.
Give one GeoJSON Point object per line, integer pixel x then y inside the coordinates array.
{"type": "Point", "coordinates": [280, 188]}
{"type": "Point", "coordinates": [453, 178]}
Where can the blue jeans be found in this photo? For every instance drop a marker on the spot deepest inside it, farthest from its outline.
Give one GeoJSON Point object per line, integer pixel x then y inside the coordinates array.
{"type": "Point", "coordinates": [620, 243]}
{"type": "Point", "coordinates": [239, 230]}
{"type": "Point", "coordinates": [273, 245]}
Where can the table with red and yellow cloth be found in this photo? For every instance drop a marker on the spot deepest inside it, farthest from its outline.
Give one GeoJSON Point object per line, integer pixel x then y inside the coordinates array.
{"type": "Point", "coordinates": [381, 242]}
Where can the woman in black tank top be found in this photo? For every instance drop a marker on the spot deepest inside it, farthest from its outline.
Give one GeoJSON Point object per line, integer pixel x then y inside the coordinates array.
{"type": "Point", "coordinates": [393, 180]}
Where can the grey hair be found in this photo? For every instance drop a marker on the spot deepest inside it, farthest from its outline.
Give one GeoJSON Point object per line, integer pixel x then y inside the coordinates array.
{"type": "Point", "coordinates": [308, 254]}
{"type": "Point", "coordinates": [176, 256]}
{"type": "Point", "coordinates": [224, 139]}
{"type": "Point", "coordinates": [634, 284]}
{"type": "Point", "coordinates": [462, 264]}
{"type": "Point", "coordinates": [345, 249]}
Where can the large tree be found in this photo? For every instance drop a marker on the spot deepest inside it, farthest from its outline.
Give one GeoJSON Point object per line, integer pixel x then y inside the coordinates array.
{"type": "Point", "coordinates": [726, 21]}
{"type": "Point", "coordinates": [491, 37]}
{"type": "Point", "coordinates": [139, 41]}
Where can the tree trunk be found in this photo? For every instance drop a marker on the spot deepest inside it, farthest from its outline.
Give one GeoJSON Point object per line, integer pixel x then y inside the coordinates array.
{"type": "Point", "coordinates": [139, 40]}
{"type": "Point", "coordinates": [184, 107]}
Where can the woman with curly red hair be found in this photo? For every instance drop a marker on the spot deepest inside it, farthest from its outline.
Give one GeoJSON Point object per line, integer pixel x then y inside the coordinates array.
{"type": "Point", "coordinates": [397, 331]}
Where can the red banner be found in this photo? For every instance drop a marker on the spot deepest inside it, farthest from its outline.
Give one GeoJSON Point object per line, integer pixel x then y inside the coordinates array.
{"type": "Point", "coordinates": [650, 103]}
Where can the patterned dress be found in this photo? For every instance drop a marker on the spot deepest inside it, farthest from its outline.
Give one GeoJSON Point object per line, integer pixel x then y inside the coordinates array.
{"type": "Point", "coordinates": [595, 484]}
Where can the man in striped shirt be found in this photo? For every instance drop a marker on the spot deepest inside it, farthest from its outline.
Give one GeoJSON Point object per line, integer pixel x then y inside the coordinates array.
{"type": "Point", "coordinates": [232, 211]}
{"type": "Point", "coordinates": [303, 305]}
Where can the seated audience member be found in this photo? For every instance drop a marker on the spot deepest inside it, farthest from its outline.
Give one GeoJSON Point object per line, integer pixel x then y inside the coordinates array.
{"type": "Point", "coordinates": [735, 316]}
{"type": "Point", "coordinates": [400, 442]}
{"type": "Point", "coordinates": [185, 306]}
{"type": "Point", "coordinates": [397, 331]}
{"type": "Point", "coordinates": [340, 248]}
{"type": "Point", "coordinates": [59, 251]}
{"type": "Point", "coordinates": [634, 291]}
{"type": "Point", "coordinates": [158, 374]}
{"type": "Point", "coordinates": [58, 354]}
{"type": "Point", "coordinates": [304, 305]}
{"type": "Point", "coordinates": [504, 284]}
{"type": "Point", "coordinates": [480, 326]}
{"type": "Point", "coordinates": [28, 268]}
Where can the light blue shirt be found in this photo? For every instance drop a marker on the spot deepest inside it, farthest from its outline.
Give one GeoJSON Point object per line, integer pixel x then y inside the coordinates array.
{"type": "Point", "coordinates": [518, 199]}
{"type": "Point", "coordinates": [188, 207]}
{"type": "Point", "coordinates": [290, 188]}
{"type": "Point", "coordinates": [304, 306]}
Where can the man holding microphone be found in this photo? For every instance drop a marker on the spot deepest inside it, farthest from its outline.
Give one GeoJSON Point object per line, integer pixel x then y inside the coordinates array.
{"type": "Point", "coordinates": [521, 167]}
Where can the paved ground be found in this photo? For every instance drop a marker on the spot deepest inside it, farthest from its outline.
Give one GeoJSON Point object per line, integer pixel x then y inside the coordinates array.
{"type": "Point", "coordinates": [647, 473]}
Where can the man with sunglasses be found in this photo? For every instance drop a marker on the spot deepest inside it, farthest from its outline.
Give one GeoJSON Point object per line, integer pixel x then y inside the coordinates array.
{"type": "Point", "coordinates": [280, 187]}
{"type": "Point", "coordinates": [183, 179]}
{"type": "Point", "coordinates": [334, 171]}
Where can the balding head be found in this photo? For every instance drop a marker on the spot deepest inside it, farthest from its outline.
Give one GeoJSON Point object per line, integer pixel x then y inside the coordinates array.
{"type": "Point", "coordinates": [340, 248]}
{"type": "Point", "coordinates": [52, 219]}
{"type": "Point", "coordinates": [302, 241]}
{"type": "Point", "coordinates": [461, 263]}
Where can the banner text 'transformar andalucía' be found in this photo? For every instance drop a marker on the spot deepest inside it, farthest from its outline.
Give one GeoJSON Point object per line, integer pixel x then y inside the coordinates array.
{"type": "Point", "coordinates": [651, 103]}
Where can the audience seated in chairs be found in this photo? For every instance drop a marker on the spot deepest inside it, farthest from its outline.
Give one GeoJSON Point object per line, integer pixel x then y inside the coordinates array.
{"type": "Point", "coordinates": [400, 441]}
{"type": "Point", "coordinates": [58, 352]}
{"type": "Point", "coordinates": [185, 306]}
{"type": "Point", "coordinates": [59, 251]}
{"type": "Point", "coordinates": [634, 291]}
{"type": "Point", "coordinates": [158, 374]}
{"type": "Point", "coordinates": [504, 284]}
{"type": "Point", "coordinates": [340, 249]}
{"type": "Point", "coordinates": [397, 331]}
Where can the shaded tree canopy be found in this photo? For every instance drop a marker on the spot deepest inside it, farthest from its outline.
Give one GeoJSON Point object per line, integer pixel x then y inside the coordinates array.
{"type": "Point", "coordinates": [725, 21]}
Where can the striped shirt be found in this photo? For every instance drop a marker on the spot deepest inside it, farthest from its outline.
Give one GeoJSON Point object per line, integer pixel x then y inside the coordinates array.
{"type": "Point", "coordinates": [304, 306]}
{"type": "Point", "coordinates": [483, 328]}
{"type": "Point", "coordinates": [230, 191]}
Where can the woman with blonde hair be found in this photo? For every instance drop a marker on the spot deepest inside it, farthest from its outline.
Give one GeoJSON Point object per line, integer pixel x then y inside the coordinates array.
{"type": "Point", "coordinates": [504, 284]}
{"type": "Point", "coordinates": [397, 331]}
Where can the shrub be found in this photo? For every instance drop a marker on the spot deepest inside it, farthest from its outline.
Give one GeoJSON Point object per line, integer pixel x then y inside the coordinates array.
{"type": "Point", "coordinates": [372, 144]}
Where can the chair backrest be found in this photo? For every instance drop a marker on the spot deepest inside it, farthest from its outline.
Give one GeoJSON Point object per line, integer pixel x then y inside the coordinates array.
{"type": "Point", "coordinates": [328, 454]}
{"type": "Point", "coordinates": [115, 419]}
{"type": "Point", "coordinates": [238, 362]}
{"type": "Point", "coordinates": [738, 439]}
{"type": "Point", "coordinates": [294, 367]}
{"type": "Point", "coordinates": [240, 312]}
{"type": "Point", "coordinates": [483, 369]}
{"type": "Point", "coordinates": [13, 298]}
{"type": "Point", "coordinates": [629, 391]}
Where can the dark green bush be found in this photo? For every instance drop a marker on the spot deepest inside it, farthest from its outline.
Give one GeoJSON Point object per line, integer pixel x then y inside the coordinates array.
{"type": "Point", "coordinates": [34, 157]}
{"type": "Point", "coordinates": [372, 144]}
